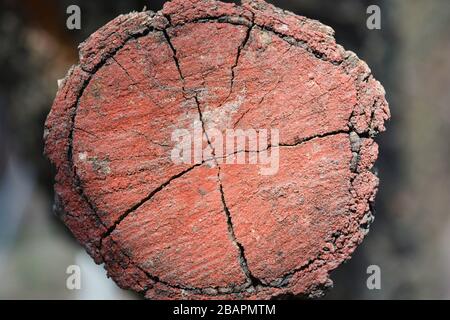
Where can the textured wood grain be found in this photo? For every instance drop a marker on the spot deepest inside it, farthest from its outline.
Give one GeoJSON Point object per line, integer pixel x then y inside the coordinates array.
{"type": "Point", "coordinates": [173, 231]}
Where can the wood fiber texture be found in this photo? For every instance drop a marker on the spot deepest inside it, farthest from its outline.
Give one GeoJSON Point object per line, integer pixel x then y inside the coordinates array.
{"type": "Point", "coordinates": [223, 231]}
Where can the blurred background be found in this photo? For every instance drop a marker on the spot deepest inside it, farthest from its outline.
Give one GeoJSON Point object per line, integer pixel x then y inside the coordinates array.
{"type": "Point", "coordinates": [410, 55]}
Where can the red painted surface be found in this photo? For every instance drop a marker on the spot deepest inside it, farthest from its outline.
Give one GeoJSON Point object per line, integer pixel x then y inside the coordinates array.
{"type": "Point", "coordinates": [205, 231]}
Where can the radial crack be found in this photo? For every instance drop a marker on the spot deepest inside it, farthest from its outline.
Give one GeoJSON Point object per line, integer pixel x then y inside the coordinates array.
{"type": "Point", "coordinates": [251, 279]}
{"type": "Point", "coordinates": [134, 82]}
{"type": "Point", "coordinates": [238, 56]}
{"type": "Point", "coordinates": [210, 291]}
{"type": "Point", "coordinates": [77, 181]}
{"type": "Point", "coordinates": [147, 198]}
{"type": "Point", "coordinates": [195, 97]}
{"type": "Point", "coordinates": [309, 138]}
{"type": "Point", "coordinates": [287, 145]}
{"type": "Point", "coordinates": [175, 59]}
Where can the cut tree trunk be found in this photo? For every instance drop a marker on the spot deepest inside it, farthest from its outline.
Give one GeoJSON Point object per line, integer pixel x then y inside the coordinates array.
{"type": "Point", "coordinates": [214, 228]}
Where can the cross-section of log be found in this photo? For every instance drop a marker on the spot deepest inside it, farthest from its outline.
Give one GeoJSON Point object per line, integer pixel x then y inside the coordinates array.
{"type": "Point", "coordinates": [214, 224]}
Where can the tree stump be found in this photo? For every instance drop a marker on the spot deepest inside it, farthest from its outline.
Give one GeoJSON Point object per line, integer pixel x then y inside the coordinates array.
{"type": "Point", "coordinates": [214, 229]}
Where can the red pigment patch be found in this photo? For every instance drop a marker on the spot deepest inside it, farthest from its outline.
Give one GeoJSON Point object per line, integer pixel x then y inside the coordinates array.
{"type": "Point", "coordinates": [216, 229]}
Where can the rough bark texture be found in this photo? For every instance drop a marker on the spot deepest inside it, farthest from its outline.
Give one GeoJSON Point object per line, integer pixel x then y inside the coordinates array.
{"type": "Point", "coordinates": [216, 231]}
